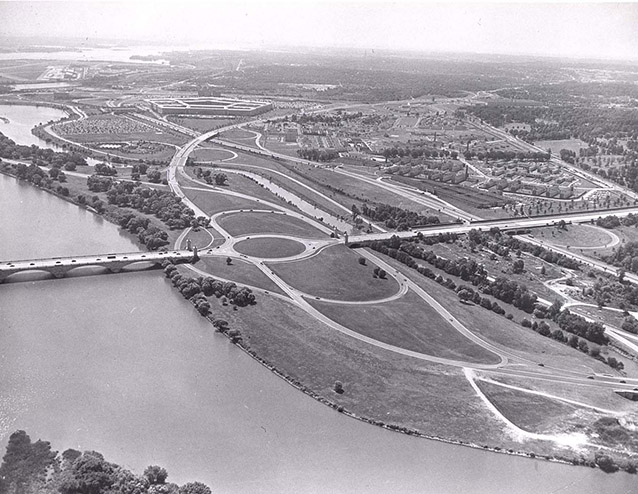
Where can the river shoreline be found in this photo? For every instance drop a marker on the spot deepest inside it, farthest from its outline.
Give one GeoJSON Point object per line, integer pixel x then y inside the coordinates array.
{"type": "Point", "coordinates": [71, 200]}
{"type": "Point", "coordinates": [299, 385]}
{"type": "Point", "coordinates": [325, 400]}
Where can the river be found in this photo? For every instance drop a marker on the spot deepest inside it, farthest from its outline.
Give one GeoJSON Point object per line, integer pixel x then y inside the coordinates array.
{"type": "Point", "coordinates": [23, 118]}
{"type": "Point", "coordinates": [123, 365]}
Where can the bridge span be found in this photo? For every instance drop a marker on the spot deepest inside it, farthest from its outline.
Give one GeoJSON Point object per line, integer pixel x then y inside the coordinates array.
{"type": "Point", "coordinates": [114, 263]}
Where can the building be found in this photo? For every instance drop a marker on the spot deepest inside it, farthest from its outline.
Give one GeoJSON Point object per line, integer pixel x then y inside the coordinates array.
{"type": "Point", "coordinates": [210, 106]}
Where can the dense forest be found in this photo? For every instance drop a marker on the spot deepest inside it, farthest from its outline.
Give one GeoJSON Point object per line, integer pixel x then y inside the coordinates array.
{"type": "Point", "coordinates": [562, 121]}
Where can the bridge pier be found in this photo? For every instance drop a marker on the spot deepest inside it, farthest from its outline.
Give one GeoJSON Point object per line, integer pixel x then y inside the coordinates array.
{"type": "Point", "coordinates": [57, 272]}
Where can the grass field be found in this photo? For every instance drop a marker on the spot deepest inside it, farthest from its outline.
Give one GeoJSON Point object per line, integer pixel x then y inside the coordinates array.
{"type": "Point", "coordinates": [214, 202]}
{"type": "Point", "coordinates": [335, 273]}
{"type": "Point", "coordinates": [410, 323]}
{"type": "Point", "coordinates": [15, 69]}
{"type": "Point", "coordinates": [381, 385]}
{"type": "Point", "coordinates": [200, 124]}
{"type": "Point", "coordinates": [625, 233]}
{"type": "Point", "coordinates": [575, 236]}
{"type": "Point", "coordinates": [271, 248]}
{"type": "Point", "coordinates": [241, 184]}
{"type": "Point", "coordinates": [476, 201]}
{"type": "Point", "coordinates": [239, 271]}
{"type": "Point", "coordinates": [589, 395]}
{"type": "Point", "coordinates": [211, 154]}
{"type": "Point", "coordinates": [203, 238]}
{"type": "Point", "coordinates": [253, 223]}
{"type": "Point", "coordinates": [238, 134]}
{"type": "Point", "coordinates": [532, 413]}
{"type": "Point", "coordinates": [359, 192]}
{"type": "Point", "coordinates": [503, 332]}
{"type": "Point", "coordinates": [571, 144]}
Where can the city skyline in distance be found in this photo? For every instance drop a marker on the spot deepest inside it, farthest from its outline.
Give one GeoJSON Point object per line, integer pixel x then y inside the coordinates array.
{"type": "Point", "coordinates": [599, 30]}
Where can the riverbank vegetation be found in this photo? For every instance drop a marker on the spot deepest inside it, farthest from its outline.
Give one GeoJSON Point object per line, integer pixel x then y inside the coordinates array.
{"type": "Point", "coordinates": [39, 156]}
{"type": "Point", "coordinates": [200, 290]}
{"type": "Point", "coordinates": [33, 467]}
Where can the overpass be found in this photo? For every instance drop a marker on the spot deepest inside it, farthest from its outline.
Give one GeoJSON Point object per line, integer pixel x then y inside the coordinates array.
{"type": "Point", "coordinates": [504, 224]}
{"type": "Point", "coordinates": [59, 267]}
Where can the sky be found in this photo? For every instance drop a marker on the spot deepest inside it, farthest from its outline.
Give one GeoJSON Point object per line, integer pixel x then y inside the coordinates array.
{"type": "Point", "coordinates": [594, 30]}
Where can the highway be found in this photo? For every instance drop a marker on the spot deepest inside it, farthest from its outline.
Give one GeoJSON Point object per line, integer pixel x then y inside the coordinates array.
{"type": "Point", "coordinates": [507, 361]}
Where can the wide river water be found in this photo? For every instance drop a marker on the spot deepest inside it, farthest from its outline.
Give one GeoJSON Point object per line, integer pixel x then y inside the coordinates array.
{"type": "Point", "coordinates": [123, 365]}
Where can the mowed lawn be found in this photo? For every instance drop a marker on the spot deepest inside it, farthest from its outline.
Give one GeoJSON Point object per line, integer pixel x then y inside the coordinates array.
{"type": "Point", "coordinates": [269, 248]}
{"type": "Point", "coordinates": [214, 202]}
{"type": "Point", "coordinates": [278, 224]}
{"type": "Point", "coordinates": [238, 271]}
{"type": "Point", "coordinates": [409, 323]}
{"type": "Point", "coordinates": [238, 134]}
{"type": "Point", "coordinates": [335, 273]}
{"type": "Point", "coordinates": [531, 412]}
{"type": "Point", "coordinates": [203, 238]}
{"type": "Point", "coordinates": [575, 236]}
{"type": "Point", "coordinates": [212, 154]}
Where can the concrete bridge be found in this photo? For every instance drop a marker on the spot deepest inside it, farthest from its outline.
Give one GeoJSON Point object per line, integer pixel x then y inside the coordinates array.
{"type": "Point", "coordinates": [114, 263]}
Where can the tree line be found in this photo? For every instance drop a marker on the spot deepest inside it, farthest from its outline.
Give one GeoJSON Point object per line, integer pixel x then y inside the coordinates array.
{"type": "Point", "coordinates": [164, 205]}
{"type": "Point", "coordinates": [504, 245]}
{"type": "Point", "coordinates": [33, 467]}
{"type": "Point", "coordinates": [507, 290]}
{"type": "Point", "coordinates": [394, 217]}
{"type": "Point", "coordinates": [39, 156]}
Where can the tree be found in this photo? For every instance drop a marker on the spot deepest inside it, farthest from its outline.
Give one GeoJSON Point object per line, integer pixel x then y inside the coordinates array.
{"type": "Point", "coordinates": [465, 294]}
{"type": "Point", "coordinates": [194, 488]}
{"type": "Point", "coordinates": [606, 463]}
{"type": "Point", "coordinates": [362, 261]}
{"type": "Point", "coordinates": [518, 266]}
{"type": "Point", "coordinates": [572, 341]}
{"type": "Point", "coordinates": [155, 474]}
{"type": "Point", "coordinates": [338, 387]}
{"type": "Point", "coordinates": [220, 325]}
{"type": "Point", "coordinates": [382, 274]}
{"type": "Point", "coordinates": [154, 176]}
{"type": "Point", "coordinates": [229, 261]}
{"type": "Point", "coordinates": [621, 275]}
{"type": "Point", "coordinates": [235, 335]}
{"type": "Point", "coordinates": [221, 179]}
{"type": "Point", "coordinates": [91, 474]}
{"type": "Point", "coordinates": [24, 463]}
